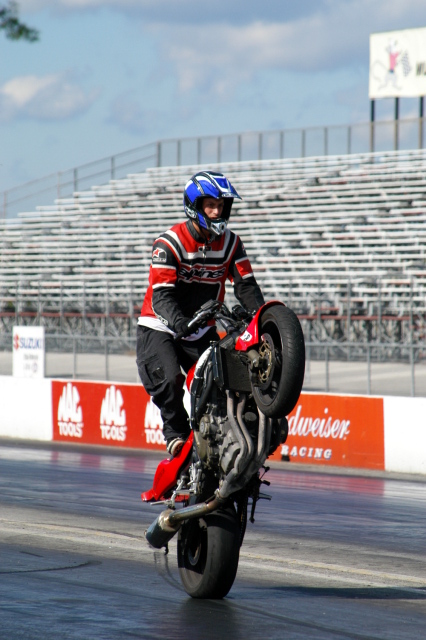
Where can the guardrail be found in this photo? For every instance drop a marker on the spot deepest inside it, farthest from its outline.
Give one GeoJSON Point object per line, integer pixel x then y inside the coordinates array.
{"type": "Point", "coordinates": [359, 368]}
{"type": "Point", "coordinates": [369, 354]}
{"type": "Point", "coordinates": [255, 145]}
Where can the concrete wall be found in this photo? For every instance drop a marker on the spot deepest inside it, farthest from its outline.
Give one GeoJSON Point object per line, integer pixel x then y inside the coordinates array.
{"type": "Point", "coordinates": [387, 433]}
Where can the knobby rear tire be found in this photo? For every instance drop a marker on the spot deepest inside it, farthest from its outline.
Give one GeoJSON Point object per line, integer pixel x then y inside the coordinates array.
{"type": "Point", "coordinates": [208, 554]}
{"type": "Point", "coordinates": [280, 396]}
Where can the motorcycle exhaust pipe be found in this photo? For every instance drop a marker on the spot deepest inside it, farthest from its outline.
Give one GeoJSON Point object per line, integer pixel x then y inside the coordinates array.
{"type": "Point", "coordinates": [160, 532]}
{"type": "Point", "coordinates": [235, 481]}
{"type": "Point", "coordinates": [169, 521]}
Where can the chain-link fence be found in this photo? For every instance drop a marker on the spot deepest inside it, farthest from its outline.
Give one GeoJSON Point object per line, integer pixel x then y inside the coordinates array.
{"type": "Point", "coordinates": [335, 367]}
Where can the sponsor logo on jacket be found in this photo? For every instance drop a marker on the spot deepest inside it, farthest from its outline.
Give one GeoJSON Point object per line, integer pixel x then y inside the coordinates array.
{"type": "Point", "coordinates": [159, 255]}
{"type": "Point", "coordinates": [201, 273]}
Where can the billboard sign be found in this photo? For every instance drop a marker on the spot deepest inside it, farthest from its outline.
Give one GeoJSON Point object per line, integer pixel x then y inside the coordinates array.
{"type": "Point", "coordinates": [398, 64]}
{"type": "Point", "coordinates": [344, 431]}
{"type": "Point", "coordinates": [324, 429]}
{"type": "Point", "coordinates": [28, 352]}
{"type": "Point", "coordinates": [105, 413]}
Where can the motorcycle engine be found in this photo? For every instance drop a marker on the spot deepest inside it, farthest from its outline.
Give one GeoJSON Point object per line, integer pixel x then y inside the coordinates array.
{"type": "Point", "coordinates": [217, 444]}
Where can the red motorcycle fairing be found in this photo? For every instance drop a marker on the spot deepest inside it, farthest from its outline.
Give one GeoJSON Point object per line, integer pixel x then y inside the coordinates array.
{"type": "Point", "coordinates": [167, 473]}
{"type": "Point", "coordinates": [250, 337]}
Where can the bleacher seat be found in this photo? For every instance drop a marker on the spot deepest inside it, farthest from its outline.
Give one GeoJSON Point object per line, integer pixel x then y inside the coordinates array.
{"type": "Point", "coordinates": [309, 225]}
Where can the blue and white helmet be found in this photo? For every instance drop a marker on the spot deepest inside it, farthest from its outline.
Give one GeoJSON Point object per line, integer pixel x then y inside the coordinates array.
{"type": "Point", "coordinates": [209, 184]}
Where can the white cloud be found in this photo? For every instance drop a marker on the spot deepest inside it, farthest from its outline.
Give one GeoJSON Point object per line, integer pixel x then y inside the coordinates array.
{"type": "Point", "coordinates": [220, 44]}
{"type": "Point", "coordinates": [21, 91]}
{"type": "Point", "coordinates": [210, 49]}
{"type": "Point", "coordinates": [332, 37]}
{"type": "Point", "coordinates": [49, 97]}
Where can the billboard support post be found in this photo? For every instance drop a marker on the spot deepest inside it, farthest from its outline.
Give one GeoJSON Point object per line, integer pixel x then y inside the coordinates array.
{"type": "Point", "coordinates": [396, 126]}
{"type": "Point", "coordinates": [372, 116]}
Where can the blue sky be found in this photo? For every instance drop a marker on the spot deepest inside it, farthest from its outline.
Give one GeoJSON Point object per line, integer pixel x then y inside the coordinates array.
{"type": "Point", "coordinates": [110, 75]}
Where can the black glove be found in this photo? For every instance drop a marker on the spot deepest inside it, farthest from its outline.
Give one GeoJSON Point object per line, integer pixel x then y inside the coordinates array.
{"type": "Point", "coordinates": [241, 313]}
{"type": "Point", "coordinates": [186, 326]}
{"type": "Point", "coordinates": [182, 329]}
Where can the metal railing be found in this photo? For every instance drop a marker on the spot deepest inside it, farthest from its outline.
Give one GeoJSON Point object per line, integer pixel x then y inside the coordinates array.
{"type": "Point", "coordinates": [340, 367]}
{"type": "Point", "coordinates": [401, 372]}
{"type": "Point", "coordinates": [365, 137]}
{"type": "Point", "coordinates": [389, 309]}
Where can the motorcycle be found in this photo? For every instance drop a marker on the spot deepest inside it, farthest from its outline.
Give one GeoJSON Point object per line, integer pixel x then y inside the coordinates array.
{"type": "Point", "coordinates": [241, 390]}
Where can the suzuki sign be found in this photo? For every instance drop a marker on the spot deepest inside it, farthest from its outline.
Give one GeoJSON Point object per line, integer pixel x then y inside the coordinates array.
{"type": "Point", "coordinates": [28, 352]}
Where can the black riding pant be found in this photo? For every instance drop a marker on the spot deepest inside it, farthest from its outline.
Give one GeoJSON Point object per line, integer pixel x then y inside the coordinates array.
{"type": "Point", "coordinates": [160, 359]}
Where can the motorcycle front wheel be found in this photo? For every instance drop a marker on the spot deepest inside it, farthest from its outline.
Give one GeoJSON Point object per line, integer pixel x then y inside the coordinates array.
{"type": "Point", "coordinates": [208, 554]}
{"type": "Point", "coordinates": [282, 354]}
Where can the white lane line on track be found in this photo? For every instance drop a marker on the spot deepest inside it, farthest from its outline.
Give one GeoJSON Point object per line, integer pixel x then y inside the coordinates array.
{"type": "Point", "coordinates": [76, 534]}
{"type": "Point", "coordinates": [330, 577]}
{"type": "Point", "coordinates": [318, 570]}
{"type": "Point", "coordinates": [284, 565]}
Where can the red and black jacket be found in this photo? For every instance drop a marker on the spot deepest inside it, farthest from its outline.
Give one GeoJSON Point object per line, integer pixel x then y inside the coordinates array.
{"type": "Point", "coordinates": [186, 272]}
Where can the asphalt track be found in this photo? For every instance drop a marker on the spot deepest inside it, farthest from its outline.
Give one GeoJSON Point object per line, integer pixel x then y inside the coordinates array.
{"type": "Point", "coordinates": [333, 555]}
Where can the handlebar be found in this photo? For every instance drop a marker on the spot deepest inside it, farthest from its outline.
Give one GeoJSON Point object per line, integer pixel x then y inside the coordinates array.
{"type": "Point", "coordinates": [216, 309]}
{"type": "Point", "coordinates": [205, 313]}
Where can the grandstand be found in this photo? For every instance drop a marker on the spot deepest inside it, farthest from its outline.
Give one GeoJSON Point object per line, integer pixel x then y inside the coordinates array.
{"type": "Point", "coordinates": [341, 239]}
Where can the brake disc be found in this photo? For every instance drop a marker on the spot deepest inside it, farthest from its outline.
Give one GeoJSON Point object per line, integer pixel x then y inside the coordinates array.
{"type": "Point", "coordinates": [267, 361]}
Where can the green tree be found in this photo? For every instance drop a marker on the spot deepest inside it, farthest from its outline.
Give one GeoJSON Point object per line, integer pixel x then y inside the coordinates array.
{"type": "Point", "coordinates": [13, 27]}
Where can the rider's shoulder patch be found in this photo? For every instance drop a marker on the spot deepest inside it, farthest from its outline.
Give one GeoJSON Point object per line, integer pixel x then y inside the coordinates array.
{"type": "Point", "coordinates": [159, 255]}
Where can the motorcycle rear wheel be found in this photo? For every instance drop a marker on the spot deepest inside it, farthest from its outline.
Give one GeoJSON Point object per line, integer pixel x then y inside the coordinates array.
{"type": "Point", "coordinates": [208, 554]}
{"type": "Point", "coordinates": [283, 350]}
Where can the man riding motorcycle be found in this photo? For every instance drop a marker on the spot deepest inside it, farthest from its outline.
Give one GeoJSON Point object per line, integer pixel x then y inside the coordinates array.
{"type": "Point", "coordinates": [190, 265]}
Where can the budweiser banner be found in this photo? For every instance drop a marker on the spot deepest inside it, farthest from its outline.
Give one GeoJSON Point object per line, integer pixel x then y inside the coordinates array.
{"type": "Point", "coordinates": [324, 429]}
{"type": "Point", "coordinates": [108, 414]}
{"type": "Point", "coordinates": [344, 431]}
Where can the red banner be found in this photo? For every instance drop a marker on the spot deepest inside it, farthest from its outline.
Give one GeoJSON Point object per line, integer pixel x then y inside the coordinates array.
{"type": "Point", "coordinates": [344, 431]}
{"type": "Point", "coordinates": [107, 414]}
